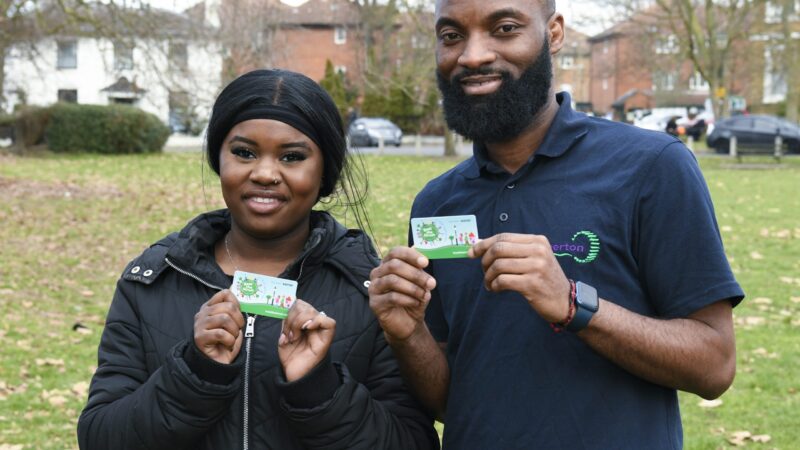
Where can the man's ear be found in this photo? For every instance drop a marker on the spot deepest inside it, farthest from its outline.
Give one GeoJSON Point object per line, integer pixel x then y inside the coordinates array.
{"type": "Point", "coordinates": [555, 27]}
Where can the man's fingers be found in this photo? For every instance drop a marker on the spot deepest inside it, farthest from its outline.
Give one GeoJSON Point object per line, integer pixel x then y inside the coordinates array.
{"type": "Point", "coordinates": [421, 285]}
{"type": "Point", "coordinates": [396, 299]}
{"type": "Point", "coordinates": [392, 272]}
{"type": "Point", "coordinates": [410, 255]}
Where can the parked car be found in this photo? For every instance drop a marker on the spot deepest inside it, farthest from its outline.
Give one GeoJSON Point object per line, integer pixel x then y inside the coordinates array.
{"type": "Point", "coordinates": [755, 131]}
{"type": "Point", "coordinates": [691, 122]}
{"type": "Point", "coordinates": [367, 132]}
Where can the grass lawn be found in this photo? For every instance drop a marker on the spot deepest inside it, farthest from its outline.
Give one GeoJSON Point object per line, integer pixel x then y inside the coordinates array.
{"type": "Point", "coordinates": [70, 224]}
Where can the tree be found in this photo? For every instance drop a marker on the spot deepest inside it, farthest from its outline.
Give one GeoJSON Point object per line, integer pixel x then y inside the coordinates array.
{"type": "Point", "coordinates": [334, 84]}
{"type": "Point", "coordinates": [788, 57]}
{"type": "Point", "coordinates": [710, 34]}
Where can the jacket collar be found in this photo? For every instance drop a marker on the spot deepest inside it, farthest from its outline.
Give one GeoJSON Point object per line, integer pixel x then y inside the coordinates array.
{"type": "Point", "coordinates": [192, 250]}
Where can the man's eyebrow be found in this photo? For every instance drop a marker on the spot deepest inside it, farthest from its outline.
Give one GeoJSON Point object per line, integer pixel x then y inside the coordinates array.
{"type": "Point", "coordinates": [446, 21]}
{"type": "Point", "coordinates": [493, 17]}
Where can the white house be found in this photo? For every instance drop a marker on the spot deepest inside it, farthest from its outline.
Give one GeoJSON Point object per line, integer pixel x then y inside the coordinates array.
{"type": "Point", "coordinates": [165, 63]}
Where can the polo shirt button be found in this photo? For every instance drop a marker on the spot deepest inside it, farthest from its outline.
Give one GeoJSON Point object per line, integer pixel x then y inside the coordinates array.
{"type": "Point", "coordinates": [511, 186]}
{"type": "Point", "coordinates": [503, 217]}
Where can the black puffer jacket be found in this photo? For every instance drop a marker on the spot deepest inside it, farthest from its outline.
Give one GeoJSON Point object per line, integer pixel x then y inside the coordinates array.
{"type": "Point", "coordinates": [154, 389]}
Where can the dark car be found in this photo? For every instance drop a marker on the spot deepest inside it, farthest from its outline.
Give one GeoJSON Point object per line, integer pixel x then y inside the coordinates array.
{"type": "Point", "coordinates": [754, 132]}
{"type": "Point", "coordinates": [367, 132]}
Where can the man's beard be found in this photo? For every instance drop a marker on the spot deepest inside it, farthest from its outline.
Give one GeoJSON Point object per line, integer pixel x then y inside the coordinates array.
{"type": "Point", "coordinates": [504, 114]}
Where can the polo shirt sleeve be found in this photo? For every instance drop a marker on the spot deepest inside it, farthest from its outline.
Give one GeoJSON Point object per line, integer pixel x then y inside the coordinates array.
{"type": "Point", "coordinates": [683, 266]}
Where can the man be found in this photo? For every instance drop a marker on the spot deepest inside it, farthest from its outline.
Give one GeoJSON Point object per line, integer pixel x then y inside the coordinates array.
{"type": "Point", "coordinates": [504, 347]}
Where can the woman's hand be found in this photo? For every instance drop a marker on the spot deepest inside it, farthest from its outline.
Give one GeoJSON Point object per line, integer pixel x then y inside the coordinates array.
{"type": "Point", "coordinates": [305, 339]}
{"type": "Point", "coordinates": [218, 327]}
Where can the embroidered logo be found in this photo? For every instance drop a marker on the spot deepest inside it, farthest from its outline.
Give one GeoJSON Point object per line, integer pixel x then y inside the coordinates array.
{"type": "Point", "coordinates": [584, 247]}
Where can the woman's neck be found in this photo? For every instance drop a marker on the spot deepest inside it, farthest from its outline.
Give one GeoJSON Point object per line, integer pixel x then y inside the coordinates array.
{"type": "Point", "coordinates": [239, 250]}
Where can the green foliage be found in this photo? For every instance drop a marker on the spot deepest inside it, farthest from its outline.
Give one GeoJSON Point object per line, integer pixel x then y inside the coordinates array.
{"type": "Point", "coordinates": [104, 129]}
{"type": "Point", "coordinates": [397, 102]}
{"type": "Point", "coordinates": [30, 125]}
{"type": "Point", "coordinates": [334, 84]}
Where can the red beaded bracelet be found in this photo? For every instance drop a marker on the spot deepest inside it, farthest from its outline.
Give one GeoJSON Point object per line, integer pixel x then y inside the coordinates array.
{"type": "Point", "coordinates": [559, 327]}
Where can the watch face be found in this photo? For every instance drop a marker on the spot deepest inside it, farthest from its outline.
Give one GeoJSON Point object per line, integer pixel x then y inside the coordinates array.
{"type": "Point", "coordinates": [586, 296]}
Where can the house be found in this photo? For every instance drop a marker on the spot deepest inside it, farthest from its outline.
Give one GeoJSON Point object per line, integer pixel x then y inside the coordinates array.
{"type": "Point", "coordinates": [160, 61]}
{"type": "Point", "coordinates": [638, 64]}
{"type": "Point", "coordinates": [302, 38]}
{"type": "Point", "coordinates": [572, 69]}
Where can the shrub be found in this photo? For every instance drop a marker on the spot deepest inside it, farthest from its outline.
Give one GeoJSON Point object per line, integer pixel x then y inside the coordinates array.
{"type": "Point", "coordinates": [104, 129]}
{"type": "Point", "coordinates": [30, 124]}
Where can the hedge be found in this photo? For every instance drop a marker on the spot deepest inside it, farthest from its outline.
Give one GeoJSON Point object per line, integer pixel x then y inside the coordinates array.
{"type": "Point", "coordinates": [103, 129]}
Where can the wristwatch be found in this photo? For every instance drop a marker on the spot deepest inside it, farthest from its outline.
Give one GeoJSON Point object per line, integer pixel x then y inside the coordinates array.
{"type": "Point", "coordinates": [586, 304]}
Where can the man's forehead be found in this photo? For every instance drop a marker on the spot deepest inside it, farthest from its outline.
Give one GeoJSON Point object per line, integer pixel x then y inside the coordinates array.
{"type": "Point", "coordinates": [448, 6]}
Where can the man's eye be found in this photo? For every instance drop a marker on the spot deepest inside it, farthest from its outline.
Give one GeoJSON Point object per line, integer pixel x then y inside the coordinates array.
{"type": "Point", "coordinates": [508, 28]}
{"type": "Point", "coordinates": [293, 157]}
{"type": "Point", "coordinates": [242, 152]}
{"type": "Point", "coordinates": [449, 37]}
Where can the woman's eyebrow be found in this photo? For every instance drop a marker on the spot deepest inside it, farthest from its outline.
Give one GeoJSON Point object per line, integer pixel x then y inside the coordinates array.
{"type": "Point", "coordinates": [238, 138]}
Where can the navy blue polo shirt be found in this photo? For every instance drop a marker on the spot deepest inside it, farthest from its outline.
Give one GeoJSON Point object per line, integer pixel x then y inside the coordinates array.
{"type": "Point", "coordinates": [627, 211]}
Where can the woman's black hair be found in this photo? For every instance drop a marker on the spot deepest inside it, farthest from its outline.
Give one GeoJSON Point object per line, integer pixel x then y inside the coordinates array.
{"type": "Point", "coordinates": [344, 184]}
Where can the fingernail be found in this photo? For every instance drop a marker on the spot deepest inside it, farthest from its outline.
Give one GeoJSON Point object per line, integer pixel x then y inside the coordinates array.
{"type": "Point", "coordinates": [291, 336]}
{"type": "Point", "coordinates": [305, 325]}
{"type": "Point", "coordinates": [282, 339]}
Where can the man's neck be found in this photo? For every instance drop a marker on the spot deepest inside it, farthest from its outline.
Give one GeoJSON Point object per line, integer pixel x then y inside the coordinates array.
{"type": "Point", "coordinates": [515, 152]}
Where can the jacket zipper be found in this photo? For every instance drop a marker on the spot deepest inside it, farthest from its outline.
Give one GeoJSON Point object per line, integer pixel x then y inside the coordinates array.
{"type": "Point", "coordinates": [249, 333]}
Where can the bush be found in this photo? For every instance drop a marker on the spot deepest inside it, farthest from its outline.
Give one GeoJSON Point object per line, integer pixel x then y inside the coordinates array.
{"type": "Point", "coordinates": [104, 129]}
{"type": "Point", "coordinates": [30, 125]}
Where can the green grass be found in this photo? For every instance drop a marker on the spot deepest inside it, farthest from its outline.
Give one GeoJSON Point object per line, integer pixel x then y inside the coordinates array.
{"type": "Point", "coordinates": [68, 225]}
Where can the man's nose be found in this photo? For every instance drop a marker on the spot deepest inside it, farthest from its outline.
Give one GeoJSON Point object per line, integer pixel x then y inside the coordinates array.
{"type": "Point", "coordinates": [477, 52]}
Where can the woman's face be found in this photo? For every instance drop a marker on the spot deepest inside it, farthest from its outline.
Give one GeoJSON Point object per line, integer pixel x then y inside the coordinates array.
{"type": "Point", "coordinates": [271, 175]}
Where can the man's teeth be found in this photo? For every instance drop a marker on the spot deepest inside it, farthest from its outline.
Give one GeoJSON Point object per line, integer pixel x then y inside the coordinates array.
{"type": "Point", "coordinates": [264, 200]}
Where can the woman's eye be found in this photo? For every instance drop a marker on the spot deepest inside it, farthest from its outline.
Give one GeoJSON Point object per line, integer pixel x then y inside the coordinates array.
{"type": "Point", "coordinates": [242, 152]}
{"type": "Point", "coordinates": [293, 157]}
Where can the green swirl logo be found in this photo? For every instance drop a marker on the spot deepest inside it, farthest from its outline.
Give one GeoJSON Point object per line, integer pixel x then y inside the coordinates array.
{"type": "Point", "coordinates": [583, 251]}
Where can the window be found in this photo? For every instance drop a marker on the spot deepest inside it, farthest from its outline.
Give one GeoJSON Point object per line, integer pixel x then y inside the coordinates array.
{"type": "Point", "coordinates": [567, 62]}
{"type": "Point", "coordinates": [67, 55]}
{"type": "Point", "coordinates": [664, 81]}
{"type": "Point", "coordinates": [605, 47]}
{"type": "Point", "coordinates": [667, 45]}
{"type": "Point", "coordinates": [773, 11]}
{"type": "Point", "coordinates": [123, 56]}
{"type": "Point", "coordinates": [697, 83]}
{"type": "Point", "coordinates": [68, 95]}
{"type": "Point", "coordinates": [340, 35]}
{"type": "Point", "coordinates": [178, 55]}
{"type": "Point", "coordinates": [341, 70]}
{"type": "Point", "coordinates": [605, 84]}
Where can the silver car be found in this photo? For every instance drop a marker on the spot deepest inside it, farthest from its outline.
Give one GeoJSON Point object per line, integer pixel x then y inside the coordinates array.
{"type": "Point", "coordinates": [368, 131]}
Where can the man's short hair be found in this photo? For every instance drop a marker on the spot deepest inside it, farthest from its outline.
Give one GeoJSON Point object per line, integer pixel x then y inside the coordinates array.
{"type": "Point", "coordinates": [549, 6]}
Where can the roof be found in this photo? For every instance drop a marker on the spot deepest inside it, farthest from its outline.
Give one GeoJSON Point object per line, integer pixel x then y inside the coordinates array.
{"type": "Point", "coordinates": [110, 20]}
{"type": "Point", "coordinates": [319, 13]}
{"type": "Point", "coordinates": [123, 86]}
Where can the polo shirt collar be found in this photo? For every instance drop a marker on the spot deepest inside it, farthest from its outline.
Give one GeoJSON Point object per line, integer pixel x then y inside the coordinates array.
{"type": "Point", "coordinates": [567, 128]}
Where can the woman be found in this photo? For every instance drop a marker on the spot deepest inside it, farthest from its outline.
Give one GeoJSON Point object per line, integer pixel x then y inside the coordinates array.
{"type": "Point", "coordinates": [181, 367]}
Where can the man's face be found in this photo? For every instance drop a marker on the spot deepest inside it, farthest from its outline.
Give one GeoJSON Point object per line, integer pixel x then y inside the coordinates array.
{"type": "Point", "coordinates": [494, 67]}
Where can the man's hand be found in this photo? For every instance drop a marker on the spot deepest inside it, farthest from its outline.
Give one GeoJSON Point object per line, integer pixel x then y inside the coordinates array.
{"type": "Point", "coordinates": [399, 292]}
{"type": "Point", "coordinates": [218, 327]}
{"type": "Point", "coordinates": [525, 263]}
{"type": "Point", "coordinates": [305, 339]}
